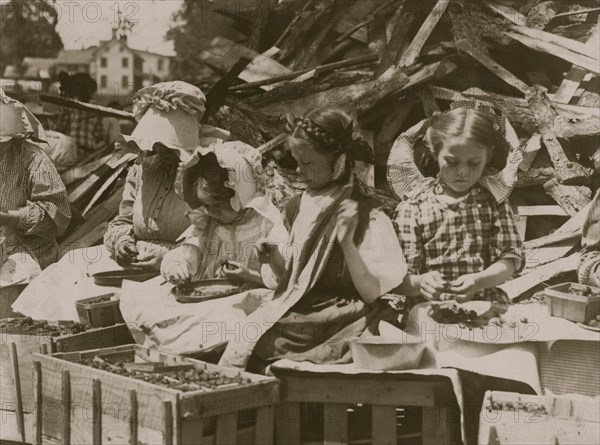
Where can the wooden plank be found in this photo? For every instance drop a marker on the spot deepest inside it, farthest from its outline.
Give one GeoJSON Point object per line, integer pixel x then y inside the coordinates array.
{"type": "Point", "coordinates": [335, 390]}
{"type": "Point", "coordinates": [223, 54]}
{"type": "Point", "coordinates": [18, 395]}
{"type": "Point", "coordinates": [167, 414]}
{"type": "Point", "coordinates": [558, 41]}
{"type": "Point", "coordinates": [583, 61]}
{"type": "Point", "coordinates": [532, 148]}
{"type": "Point", "coordinates": [287, 423]}
{"type": "Point", "coordinates": [384, 424]}
{"type": "Point", "coordinates": [74, 174]}
{"type": "Point", "coordinates": [227, 429]}
{"type": "Point", "coordinates": [133, 425]}
{"type": "Point", "coordinates": [39, 408]}
{"type": "Point", "coordinates": [109, 181]}
{"type": "Point", "coordinates": [576, 75]}
{"type": "Point", "coordinates": [66, 406]}
{"type": "Point", "coordinates": [545, 210]}
{"type": "Point", "coordinates": [320, 69]}
{"type": "Point", "coordinates": [518, 286]}
{"type": "Point", "coordinates": [264, 426]}
{"type": "Point", "coordinates": [93, 229]}
{"type": "Point", "coordinates": [117, 159]}
{"type": "Point", "coordinates": [414, 49]}
{"type": "Point", "coordinates": [335, 423]}
{"type": "Point", "coordinates": [97, 412]}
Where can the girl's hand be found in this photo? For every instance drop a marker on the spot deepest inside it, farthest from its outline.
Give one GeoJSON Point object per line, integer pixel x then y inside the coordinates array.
{"type": "Point", "coordinates": [433, 286]}
{"type": "Point", "coordinates": [235, 271]}
{"type": "Point", "coordinates": [347, 220]}
{"type": "Point", "coordinates": [464, 287]}
{"type": "Point", "coordinates": [177, 273]}
{"type": "Point", "coordinates": [149, 260]}
{"type": "Point", "coordinates": [125, 251]}
{"type": "Point", "coordinates": [265, 250]}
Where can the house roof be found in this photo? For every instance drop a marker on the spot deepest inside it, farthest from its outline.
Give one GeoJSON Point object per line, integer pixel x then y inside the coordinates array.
{"type": "Point", "coordinates": [75, 56]}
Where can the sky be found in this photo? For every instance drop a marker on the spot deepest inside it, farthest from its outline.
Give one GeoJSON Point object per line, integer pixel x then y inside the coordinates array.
{"type": "Point", "coordinates": [86, 22]}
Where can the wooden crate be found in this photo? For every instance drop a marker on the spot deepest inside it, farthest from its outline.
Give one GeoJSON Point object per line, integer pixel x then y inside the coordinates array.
{"type": "Point", "coordinates": [509, 418]}
{"type": "Point", "coordinates": [386, 394]}
{"type": "Point", "coordinates": [95, 406]}
{"type": "Point", "coordinates": [16, 369]}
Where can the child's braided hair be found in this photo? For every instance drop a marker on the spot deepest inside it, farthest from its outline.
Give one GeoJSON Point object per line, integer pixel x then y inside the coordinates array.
{"type": "Point", "coordinates": [331, 130]}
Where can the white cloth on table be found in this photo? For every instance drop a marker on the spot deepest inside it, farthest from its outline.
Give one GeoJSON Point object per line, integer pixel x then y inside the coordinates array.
{"type": "Point", "coordinates": [156, 319]}
{"type": "Point", "coordinates": [53, 293]}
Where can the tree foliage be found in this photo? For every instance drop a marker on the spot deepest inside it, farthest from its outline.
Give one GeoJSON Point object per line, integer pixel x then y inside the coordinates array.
{"type": "Point", "coordinates": [196, 23]}
{"type": "Point", "coordinates": [28, 29]}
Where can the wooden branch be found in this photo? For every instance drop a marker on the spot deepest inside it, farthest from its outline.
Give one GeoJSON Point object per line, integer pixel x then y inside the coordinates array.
{"type": "Point", "coordinates": [84, 106]}
{"type": "Point", "coordinates": [567, 171]}
{"type": "Point", "coordinates": [572, 198]}
{"type": "Point", "coordinates": [297, 17]}
{"type": "Point", "coordinates": [534, 176]}
{"type": "Point", "coordinates": [470, 43]}
{"type": "Point", "coordinates": [413, 51]}
{"type": "Point", "coordinates": [541, 14]}
{"type": "Point", "coordinates": [400, 24]}
{"type": "Point", "coordinates": [400, 81]}
{"type": "Point", "coordinates": [320, 69]}
{"type": "Point", "coordinates": [571, 120]}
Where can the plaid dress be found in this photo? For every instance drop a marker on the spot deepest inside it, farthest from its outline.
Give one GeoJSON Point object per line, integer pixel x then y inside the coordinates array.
{"type": "Point", "coordinates": [457, 238]}
{"type": "Point", "coordinates": [31, 185]}
{"type": "Point", "coordinates": [86, 128]}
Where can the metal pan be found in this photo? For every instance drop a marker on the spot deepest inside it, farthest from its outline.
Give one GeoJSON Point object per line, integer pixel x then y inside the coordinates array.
{"type": "Point", "coordinates": [116, 277]}
{"type": "Point", "coordinates": [235, 287]}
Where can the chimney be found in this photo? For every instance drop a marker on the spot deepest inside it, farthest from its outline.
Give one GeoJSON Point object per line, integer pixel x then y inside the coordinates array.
{"type": "Point", "coordinates": [114, 33]}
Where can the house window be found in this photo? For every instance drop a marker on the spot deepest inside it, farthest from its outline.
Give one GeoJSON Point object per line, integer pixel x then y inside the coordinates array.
{"type": "Point", "coordinates": [103, 81]}
{"type": "Point", "coordinates": [160, 64]}
{"type": "Point", "coordinates": [125, 81]}
{"type": "Point", "coordinates": [103, 62]}
{"type": "Point", "coordinates": [125, 62]}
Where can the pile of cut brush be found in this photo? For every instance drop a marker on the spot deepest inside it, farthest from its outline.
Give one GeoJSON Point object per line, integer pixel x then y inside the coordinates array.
{"type": "Point", "coordinates": [391, 63]}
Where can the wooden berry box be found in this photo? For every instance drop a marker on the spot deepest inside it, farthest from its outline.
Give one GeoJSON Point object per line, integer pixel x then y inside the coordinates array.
{"type": "Point", "coordinates": [96, 406]}
{"type": "Point", "coordinates": [509, 418]}
{"type": "Point", "coordinates": [577, 308]}
{"type": "Point", "coordinates": [16, 366]}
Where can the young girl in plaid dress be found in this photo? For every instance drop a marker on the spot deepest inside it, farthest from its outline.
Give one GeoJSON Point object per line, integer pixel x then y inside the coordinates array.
{"type": "Point", "coordinates": [457, 231]}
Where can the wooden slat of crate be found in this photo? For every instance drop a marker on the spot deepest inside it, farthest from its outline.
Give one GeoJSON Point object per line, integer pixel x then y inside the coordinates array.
{"type": "Point", "coordinates": [29, 344]}
{"type": "Point", "coordinates": [565, 420]}
{"type": "Point", "coordinates": [383, 391]}
{"type": "Point", "coordinates": [187, 408]}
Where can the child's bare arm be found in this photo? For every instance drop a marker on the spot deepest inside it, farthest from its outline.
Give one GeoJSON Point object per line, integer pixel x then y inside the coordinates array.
{"type": "Point", "coordinates": [497, 273]}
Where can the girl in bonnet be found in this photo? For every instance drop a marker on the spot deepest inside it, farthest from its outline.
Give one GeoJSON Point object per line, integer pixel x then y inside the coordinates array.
{"type": "Point", "coordinates": [230, 215]}
{"type": "Point", "coordinates": [151, 215]}
{"type": "Point", "coordinates": [458, 231]}
{"type": "Point", "coordinates": [221, 183]}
